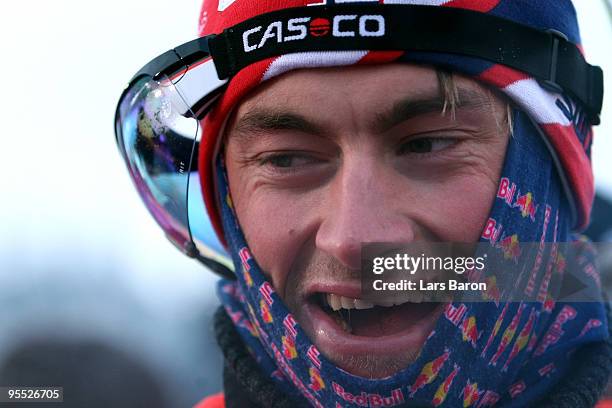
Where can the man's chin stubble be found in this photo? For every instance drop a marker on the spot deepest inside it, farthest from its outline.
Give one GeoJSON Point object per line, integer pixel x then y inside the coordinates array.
{"type": "Point", "coordinates": [375, 367]}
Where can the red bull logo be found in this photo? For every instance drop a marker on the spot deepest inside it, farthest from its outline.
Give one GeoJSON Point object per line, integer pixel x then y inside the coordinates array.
{"type": "Point", "coordinates": [492, 231]}
{"type": "Point", "coordinates": [266, 292]}
{"type": "Point", "coordinates": [313, 355]}
{"type": "Point", "coordinates": [492, 292]}
{"type": "Point", "coordinates": [293, 377]}
{"type": "Point", "coordinates": [540, 255]}
{"type": "Point", "coordinates": [555, 331]}
{"type": "Point", "coordinates": [507, 336]}
{"type": "Point", "coordinates": [496, 328]}
{"type": "Point", "coordinates": [522, 340]}
{"type": "Point", "coordinates": [526, 205]}
{"type": "Point", "coordinates": [247, 278]}
{"type": "Point", "coordinates": [470, 331]}
{"type": "Point", "coordinates": [506, 190]}
{"type": "Point", "coordinates": [443, 389]}
{"type": "Point", "coordinates": [289, 350]}
{"type": "Point", "coordinates": [241, 320]}
{"type": "Point", "coordinates": [316, 382]}
{"type": "Point", "coordinates": [364, 399]}
{"type": "Point", "coordinates": [429, 372]}
{"type": "Point", "coordinates": [245, 257]}
{"type": "Point", "coordinates": [543, 291]}
{"type": "Point", "coordinates": [260, 333]}
{"type": "Point", "coordinates": [510, 247]}
{"type": "Point", "coordinates": [470, 394]}
{"type": "Point", "coordinates": [290, 323]}
{"type": "Point", "coordinates": [455, 314]}
{"type": "Point", "coordinates": [266, 316]}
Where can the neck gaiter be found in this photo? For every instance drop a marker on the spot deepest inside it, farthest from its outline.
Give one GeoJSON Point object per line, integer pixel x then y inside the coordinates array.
{"type": "Point", "coordinates": [513, 352]}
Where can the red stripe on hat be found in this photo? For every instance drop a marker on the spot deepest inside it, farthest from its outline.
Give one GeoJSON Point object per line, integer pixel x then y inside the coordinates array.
{"type": "Point", "coordinates": [380, 57]}
{"type": "Point", "coordinates": [577, 167]}
{"type": "Point", "coordinates": [502, 76]}
{"type": "Point", "coordinates": [237, 12]}
{"type": "Point", "coordinates": [483, 6]}
{"type": "Point", "coordinates": [244, 81]}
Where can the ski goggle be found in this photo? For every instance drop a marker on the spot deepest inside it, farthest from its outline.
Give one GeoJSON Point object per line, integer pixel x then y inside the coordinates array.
{"type": "Point", "coordinates": [158, 132]}
{"type": "Point", "coordinates": [158, 122]}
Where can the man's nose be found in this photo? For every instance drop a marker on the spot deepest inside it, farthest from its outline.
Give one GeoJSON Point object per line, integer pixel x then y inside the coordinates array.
{"type": "Point", "coordinates": [362, 205]}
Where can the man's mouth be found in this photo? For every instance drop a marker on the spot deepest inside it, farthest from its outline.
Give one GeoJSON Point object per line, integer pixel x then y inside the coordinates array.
{"type": "Point", "coordinates": [368, 338]}
{"type": "Point", "coordinates": [378, 318]}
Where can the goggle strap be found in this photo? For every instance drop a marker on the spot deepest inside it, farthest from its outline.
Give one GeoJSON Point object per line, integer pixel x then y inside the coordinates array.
{"type": "Point", "coordinates": [546, 56]}
{"type": "Point", "coordinates": [198, 86]}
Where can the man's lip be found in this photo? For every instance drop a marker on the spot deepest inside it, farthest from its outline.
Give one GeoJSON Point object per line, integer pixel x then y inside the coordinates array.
{"type": "Point", "coordinates": [346, 289]}
{"type": "Point", "coordinates": [332, 340]}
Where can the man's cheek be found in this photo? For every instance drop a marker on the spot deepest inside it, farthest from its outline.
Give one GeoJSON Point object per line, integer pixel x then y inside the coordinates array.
{"type": "Point", "coordinates": [455, 210]}
{"type": "Point", "coordinates": [471, 208]}
{"type": "Point", "coordinates": [273, 234]}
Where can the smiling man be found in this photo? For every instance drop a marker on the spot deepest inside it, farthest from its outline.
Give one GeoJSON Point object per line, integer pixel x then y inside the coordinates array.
{"type": "Point", "coordinates": [326, 127]}
{"type": "Point", "coordinates": [320, 161]}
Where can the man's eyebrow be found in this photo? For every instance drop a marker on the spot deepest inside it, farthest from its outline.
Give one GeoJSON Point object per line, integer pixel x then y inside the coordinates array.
{"type": "Point", "coordinates": [261, 120]}
{"type": "Point", "coordinates": [413, 106]}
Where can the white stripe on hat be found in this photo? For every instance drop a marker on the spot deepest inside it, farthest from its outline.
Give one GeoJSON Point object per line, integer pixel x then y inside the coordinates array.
{"type": "Point", "coordinates": [527, 93]}
{"type": "Point", "coordinates": [312, 59]}
{"type": "Point", "coordinates": [540, 104]}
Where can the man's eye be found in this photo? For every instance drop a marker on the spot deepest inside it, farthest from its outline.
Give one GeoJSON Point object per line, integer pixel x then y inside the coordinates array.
{"type": "Point", "coordinates": [287, 160]}
{"type": "Point", "coordinates": [426, 145]}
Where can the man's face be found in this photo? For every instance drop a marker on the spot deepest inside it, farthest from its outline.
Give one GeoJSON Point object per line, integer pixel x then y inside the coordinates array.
{"type": "Point", "coordinates": [320, 161]}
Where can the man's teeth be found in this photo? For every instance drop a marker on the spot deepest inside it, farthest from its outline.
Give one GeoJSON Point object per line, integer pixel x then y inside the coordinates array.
{"type": "Point", "coordinates": [337, 302]}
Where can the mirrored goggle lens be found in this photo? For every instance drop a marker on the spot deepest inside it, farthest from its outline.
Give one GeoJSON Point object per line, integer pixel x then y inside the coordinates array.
{"type": "Point", "coordinates": [158, 137]}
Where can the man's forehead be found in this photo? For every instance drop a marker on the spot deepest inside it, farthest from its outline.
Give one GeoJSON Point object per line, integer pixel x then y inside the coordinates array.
{"type": "Point", "coordinates": [373, 81]}
{"type": "Point", "coordinates": [303, 109]}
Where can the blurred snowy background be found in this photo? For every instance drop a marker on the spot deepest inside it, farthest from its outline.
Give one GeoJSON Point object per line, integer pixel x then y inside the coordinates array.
{"type": "Point", "coordinates": [81, 260]}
